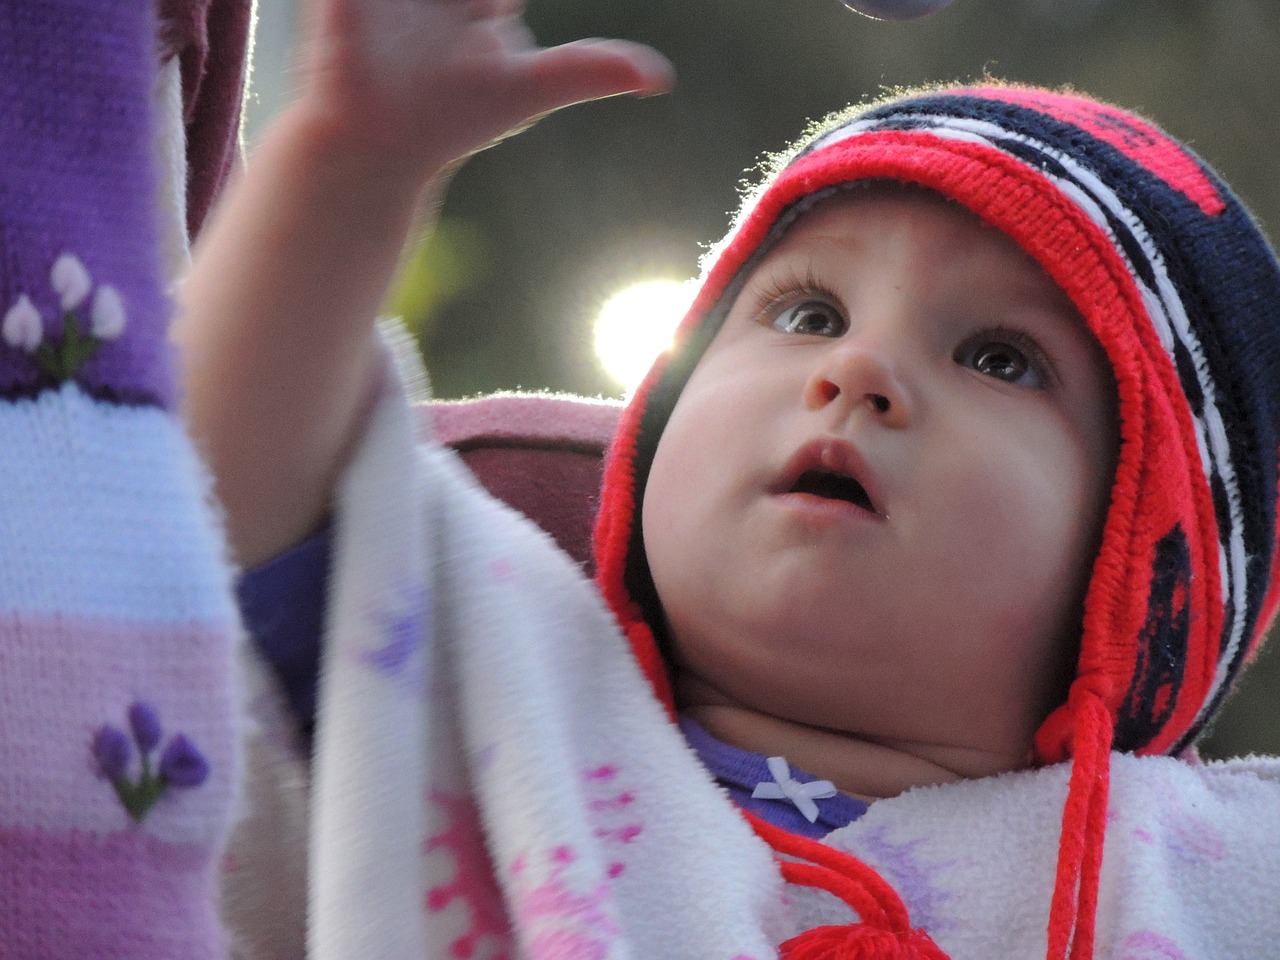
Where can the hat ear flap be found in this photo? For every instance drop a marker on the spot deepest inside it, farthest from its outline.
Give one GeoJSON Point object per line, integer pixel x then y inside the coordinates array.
{"type": "Point", "coordinates": [1271, 599]}
{"type": "Point", "coordinates": [1153, 614]}
{"type": "Point", "coordinates": [1162, 648]}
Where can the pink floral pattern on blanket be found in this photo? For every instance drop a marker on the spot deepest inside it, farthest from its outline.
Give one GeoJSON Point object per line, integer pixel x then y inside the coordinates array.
{"type": "Point", "coordinates": [612, 813]}
{"type": "Point", "coordinates": [569, 922]}
{"type": "Point", "coordinates": [562, 921]}
{"type": "Point", "coordinates": [1190, 839]}
{"type": "Point", "coordinates": [1149, 945]}
{"type": "Point", "coordinates": [473, 882]}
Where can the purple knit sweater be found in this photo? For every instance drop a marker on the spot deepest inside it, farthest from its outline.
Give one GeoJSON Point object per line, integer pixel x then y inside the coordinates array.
{"type": "Point", "coordinates": [118, 743]}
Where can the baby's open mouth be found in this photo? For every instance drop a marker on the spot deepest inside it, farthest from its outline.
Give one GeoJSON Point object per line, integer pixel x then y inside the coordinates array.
{"type": "Point", "coordinates": [831, 470]}
{"type": "Point", "coordinates": [833, 486]}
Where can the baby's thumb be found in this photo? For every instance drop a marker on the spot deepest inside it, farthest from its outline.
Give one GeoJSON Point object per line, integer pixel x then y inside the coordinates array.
{"type": "Point", "coordinates": [592, 70]}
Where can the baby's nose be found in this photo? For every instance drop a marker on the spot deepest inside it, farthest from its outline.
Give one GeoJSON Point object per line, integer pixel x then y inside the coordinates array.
{"type": "Point", "coordinates": [861, 375]}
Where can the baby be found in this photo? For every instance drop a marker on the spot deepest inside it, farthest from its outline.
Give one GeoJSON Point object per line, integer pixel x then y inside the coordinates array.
{"type": "Point", "coordinates": [964, 464]}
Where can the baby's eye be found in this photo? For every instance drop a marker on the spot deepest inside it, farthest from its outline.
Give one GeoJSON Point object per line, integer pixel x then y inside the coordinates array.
{"type": "Point", "coordinates": [1018, 363]}
{"type": "Point", "coordinates": [811, 317]}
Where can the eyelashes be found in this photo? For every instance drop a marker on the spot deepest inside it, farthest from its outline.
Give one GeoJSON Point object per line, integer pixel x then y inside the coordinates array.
{"type": "Point", "coordinates": [1000, 351]}
{"type": "Point", "coordinates": [788, 289]}
{"type": "Point", "coordinates": [1008, 355]}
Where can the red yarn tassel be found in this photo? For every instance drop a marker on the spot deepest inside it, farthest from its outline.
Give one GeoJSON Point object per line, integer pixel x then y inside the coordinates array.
{"type": "Point", "coordinates": [841, 874]}
{"type": "Point", "coordinates": [1073, 912]}
{"type": "Point", "coordinates": [885, 932]}
{"type": "Point", "coordinates": [857, 941]}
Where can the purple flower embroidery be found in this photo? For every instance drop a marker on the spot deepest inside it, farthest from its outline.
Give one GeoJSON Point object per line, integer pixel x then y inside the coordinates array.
{"type": "Point", "coordinates": [181, 764]}
{"type": "Point", "coordinates": [145, 725]}
{"type": "Point", "coordinates": [112, 751]}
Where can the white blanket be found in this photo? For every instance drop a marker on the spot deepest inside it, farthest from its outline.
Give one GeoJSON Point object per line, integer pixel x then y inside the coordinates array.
{"type": "Point", "coordinates": [494, 779]}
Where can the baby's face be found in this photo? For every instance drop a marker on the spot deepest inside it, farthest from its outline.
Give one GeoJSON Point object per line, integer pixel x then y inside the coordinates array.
{"type": "Point", "coordinates": [878, 499]}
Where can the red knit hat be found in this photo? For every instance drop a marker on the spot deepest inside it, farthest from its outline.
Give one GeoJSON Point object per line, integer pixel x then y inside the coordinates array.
{"type": "Point", "coordinates": [1183, 292]}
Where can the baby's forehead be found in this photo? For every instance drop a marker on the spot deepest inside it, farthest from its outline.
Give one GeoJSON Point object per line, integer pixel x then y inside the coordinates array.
{"type": "Point", "coordinates": [861, 207]}
{"type": "Point", "coordinates": [837, 230]}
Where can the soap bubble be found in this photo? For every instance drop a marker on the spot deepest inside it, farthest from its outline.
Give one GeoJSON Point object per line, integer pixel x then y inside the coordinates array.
{"type": "Point", "coordinates": [896, 9]}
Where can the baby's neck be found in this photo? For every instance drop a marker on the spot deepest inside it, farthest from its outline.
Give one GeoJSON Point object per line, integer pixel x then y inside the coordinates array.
{"type": "Point", "coordinates": [860, 768]}
{"type": "Point", "coordinates": [865, 767]}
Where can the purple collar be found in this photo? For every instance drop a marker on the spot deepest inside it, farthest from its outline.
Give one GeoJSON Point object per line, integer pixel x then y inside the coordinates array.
{"type": "Point", "coordinates": [740, 772]}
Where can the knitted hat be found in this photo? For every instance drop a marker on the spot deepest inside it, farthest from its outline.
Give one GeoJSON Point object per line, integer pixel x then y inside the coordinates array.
{"type": "Point", "coordinates": [1183, 293]}
{"type": "Point", "coordinates": [118, 743]}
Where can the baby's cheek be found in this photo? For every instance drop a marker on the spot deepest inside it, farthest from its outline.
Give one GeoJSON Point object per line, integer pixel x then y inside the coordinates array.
{"type": "Point", "coordinates": [1024, 516]}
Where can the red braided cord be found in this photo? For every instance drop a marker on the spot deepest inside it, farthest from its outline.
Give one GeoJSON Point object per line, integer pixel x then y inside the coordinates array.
{"type": "Point", "coordinates": [1095, 832]}
{"type": "Point", "coordinates": [811, 875]}
{"type": "Point", "coordinates": [1075, 892]}
{"type": "Point", "coordinates": [843, 874]}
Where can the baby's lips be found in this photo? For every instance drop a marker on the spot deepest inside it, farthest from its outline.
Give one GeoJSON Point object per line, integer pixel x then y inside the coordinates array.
{"type": "Point", "coordinates": [834, 456]}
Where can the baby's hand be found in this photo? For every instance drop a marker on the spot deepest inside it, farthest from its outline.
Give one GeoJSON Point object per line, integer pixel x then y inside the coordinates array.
{"type": "Point", "coordinates": [428, 82]}
{"type": "Point", "coordinates": [278, 308]}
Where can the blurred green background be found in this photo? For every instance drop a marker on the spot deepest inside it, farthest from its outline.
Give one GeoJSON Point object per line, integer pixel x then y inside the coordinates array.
{"type": "Point", "coordinates": [539, 231]}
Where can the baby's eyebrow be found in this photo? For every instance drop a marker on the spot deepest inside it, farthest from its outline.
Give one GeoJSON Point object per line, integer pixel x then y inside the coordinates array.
{"type": "Point", "coordinates": [796, 270]}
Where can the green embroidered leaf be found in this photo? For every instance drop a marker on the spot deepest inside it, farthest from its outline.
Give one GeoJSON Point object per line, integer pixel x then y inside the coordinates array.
{"type": "Point", "coordinates": [47, 361]}
{"type": "Point", "coordinates": [138, 798]}
{"type": "Point", "coordinates": [73, 352]}
{"type": "Point", "coordinates": [79, 353]}
{"type": "Point", "coordinates": [129, 799]}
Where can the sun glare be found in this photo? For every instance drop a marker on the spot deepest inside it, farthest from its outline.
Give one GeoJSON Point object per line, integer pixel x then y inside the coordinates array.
{"type": "Point", "coordinates": [635, 325]}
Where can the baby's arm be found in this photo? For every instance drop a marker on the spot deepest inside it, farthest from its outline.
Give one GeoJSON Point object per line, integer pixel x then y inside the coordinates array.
{"type": "Point", "coordinates": [277, 324]}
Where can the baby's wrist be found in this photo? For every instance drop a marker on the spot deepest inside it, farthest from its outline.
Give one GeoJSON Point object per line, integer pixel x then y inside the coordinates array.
{"type": "Point", "coordinates": [340, 154]}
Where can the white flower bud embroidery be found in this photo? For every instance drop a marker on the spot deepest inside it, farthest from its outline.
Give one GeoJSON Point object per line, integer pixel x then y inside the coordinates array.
{"type": "Point", "coordinates": [22, 327]}
{"type": "Point", "coordinates": [70, 281]}
{"type": "Point", "coordinates": [106, 319]}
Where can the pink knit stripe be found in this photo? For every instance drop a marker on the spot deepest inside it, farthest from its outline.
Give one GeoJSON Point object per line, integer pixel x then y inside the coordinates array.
{"type": "Point", "coordinates": [63, 679]}
{"type": "Point", "coordinates": [124, 896]}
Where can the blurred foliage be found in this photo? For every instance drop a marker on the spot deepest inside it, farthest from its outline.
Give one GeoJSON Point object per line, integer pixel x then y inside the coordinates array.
{"type": "Point", "coordinates": [540, 230]}
{"type": "Point", "coordinates": [443, 263]}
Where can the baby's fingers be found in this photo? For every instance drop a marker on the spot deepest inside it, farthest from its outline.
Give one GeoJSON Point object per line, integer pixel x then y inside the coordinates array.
{"type": "Point", "coordinates": [593, 69]}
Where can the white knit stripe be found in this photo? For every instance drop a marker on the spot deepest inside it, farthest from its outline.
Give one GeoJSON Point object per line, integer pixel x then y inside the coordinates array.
{"type": "Point", "coordinates": [1168, 316]}
{"type": "Point", "coordinates": [98, 504]}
